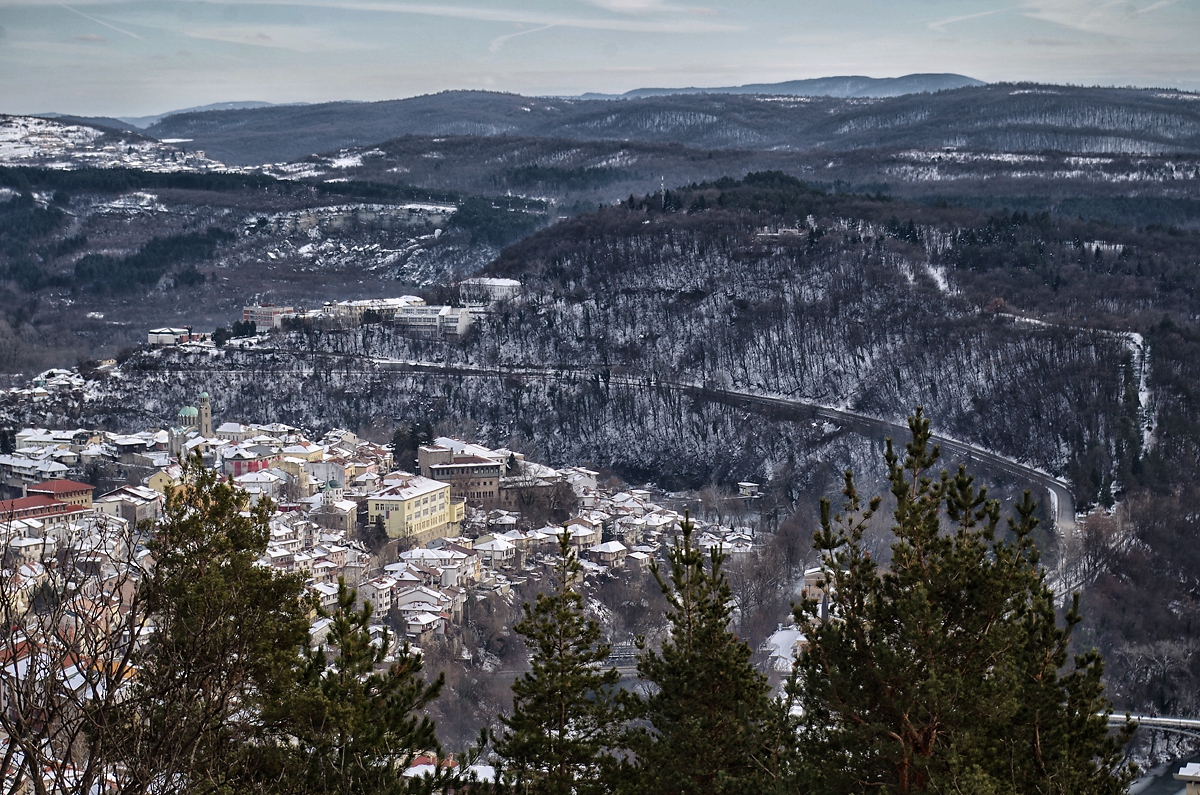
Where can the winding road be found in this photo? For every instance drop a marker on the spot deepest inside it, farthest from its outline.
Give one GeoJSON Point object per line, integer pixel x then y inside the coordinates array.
{"type": "Point", "coordinates": [1061, 502]}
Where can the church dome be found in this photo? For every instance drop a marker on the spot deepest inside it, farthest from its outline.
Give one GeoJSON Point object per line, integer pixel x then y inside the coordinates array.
{"type": "Point", "coordinates": [189, 411]}
{"type": "Point", "coordinates": [203, 395]}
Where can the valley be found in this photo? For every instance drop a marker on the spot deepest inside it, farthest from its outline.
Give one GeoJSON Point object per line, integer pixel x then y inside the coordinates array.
{"type": "Point", "coordinates": [714, 289]}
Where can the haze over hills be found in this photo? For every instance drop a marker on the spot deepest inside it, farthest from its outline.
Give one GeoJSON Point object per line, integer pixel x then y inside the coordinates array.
{"type": "Point", "coordinates": [841, 86]}
{"type": "Point", "coordinates": [999, 117]}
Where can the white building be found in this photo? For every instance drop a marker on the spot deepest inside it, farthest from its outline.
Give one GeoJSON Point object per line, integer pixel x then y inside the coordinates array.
{"type": "Point", "coordinates": [484, 290]}
{"type": "Point", "coordinates": [168, 336]}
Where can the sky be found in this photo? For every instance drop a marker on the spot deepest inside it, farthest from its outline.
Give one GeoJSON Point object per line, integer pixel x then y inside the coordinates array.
{"type": "Point", "coordinates": [143, 57]}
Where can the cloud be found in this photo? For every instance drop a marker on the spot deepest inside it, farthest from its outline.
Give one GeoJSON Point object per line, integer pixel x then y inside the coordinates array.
{"type": "Point", "coordinates": [630, 6]}
{"type": "Point", "coordinates": [643, 7]}
{"type": "Point", "coordinates": [1154, 6]}
{"type": "Point", "coordinates": [91, 38]}
{"type": "Point", "coordinates": [686, 24]}
{"type": "Point", "coordinates": [1104, 18]}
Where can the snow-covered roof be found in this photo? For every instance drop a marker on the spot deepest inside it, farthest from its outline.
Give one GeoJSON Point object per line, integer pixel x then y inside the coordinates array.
{"type": "Point", "coordinates": [408, 488]}
{"type": "Point", "coordinates": [497, 544]}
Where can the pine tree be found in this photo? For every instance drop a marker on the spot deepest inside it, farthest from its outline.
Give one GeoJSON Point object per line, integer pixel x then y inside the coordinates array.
{"type": "Point", "coordinates": [564, 708]}
{"type": "Point", "coordinates": [351, 725]}
{"type": "Point", "coordinates": [226, 639]}
{"type": "Point", "coordinates": [946, 672]}
{"type": "Point", "coordinates": [710, 716]}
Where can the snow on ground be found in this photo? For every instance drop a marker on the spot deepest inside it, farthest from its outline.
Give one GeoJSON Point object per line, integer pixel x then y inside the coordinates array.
{"type": "Point", "coordinates": [938, 274]}
{"type": "Point", "coordinates": [345, 160]}
{"type": "Point", "coordinates": [31, 141]}
{"type": "Point", "coordinates": [1141, 364]}
{"type": "Point", "coordinates": [24, 138]}
{"type": "Point", "coordinates": [782, 646]}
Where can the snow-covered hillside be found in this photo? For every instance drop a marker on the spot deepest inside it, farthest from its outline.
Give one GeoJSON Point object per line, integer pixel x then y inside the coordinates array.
{"type": "Point", "coordinates": [33, 141]}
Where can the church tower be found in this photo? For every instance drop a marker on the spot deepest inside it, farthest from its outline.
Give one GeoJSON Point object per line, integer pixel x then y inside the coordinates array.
{"type": "Point", "coordinates": [205, 424]}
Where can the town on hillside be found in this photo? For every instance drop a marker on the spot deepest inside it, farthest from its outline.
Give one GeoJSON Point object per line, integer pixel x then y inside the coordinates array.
{"type": "Point", "coordinates": [421, 528]}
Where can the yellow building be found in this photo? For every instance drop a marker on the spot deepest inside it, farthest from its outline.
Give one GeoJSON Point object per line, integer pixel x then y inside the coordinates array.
{"type": "Point", "coordinates": [165, 481]}
{"type": "Point", "coordinates": [415, 508]}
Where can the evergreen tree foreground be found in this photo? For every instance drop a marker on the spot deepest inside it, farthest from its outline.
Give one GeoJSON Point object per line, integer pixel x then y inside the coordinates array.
{"type": "Point", "coordinates": [949, 670]}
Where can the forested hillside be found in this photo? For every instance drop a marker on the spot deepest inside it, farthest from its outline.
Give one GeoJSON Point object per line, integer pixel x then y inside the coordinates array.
{"type": "Point", "coordinates": [1063, 343]}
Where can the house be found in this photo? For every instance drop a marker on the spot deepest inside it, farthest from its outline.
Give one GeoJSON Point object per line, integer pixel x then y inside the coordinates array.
{"type": "Point", "coordinates": [165, 481]}
{"type": "Point", "coordinates": [134, 504]}
{"type": "Point", "coordinates": [33, 548]}
{"type": "Point", "coordinates": [327, 594]}
{"type": "Point", "coordinates": [639, 561]}
{"type": "Point", "coordinates": [261, 483]}
{"type": "Point", "coordinates": [378, 592]}
{"type": "Point", "coordinates": [498, 551]}
{"type": "Point", "coordinates": [233, 432]}
{"type": "Point", "coordinates": [424, 627]}
{"type": "Point", "coordinates": [610, 553]}
{"type": "Point", "coordinates": [583, 536]}
{"type": "Point", "coordinates": [584, 483]}
{"type": "Point", "coordinates": [246, 457]}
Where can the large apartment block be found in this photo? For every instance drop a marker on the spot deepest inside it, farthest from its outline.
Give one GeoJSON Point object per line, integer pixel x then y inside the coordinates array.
{"type": "Point", "coordinates": [415, 508]}
{"type": "Point", "coordinates": [472, 477]}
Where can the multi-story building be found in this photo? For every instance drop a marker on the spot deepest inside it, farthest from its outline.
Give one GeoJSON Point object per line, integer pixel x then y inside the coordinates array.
{"type": "Point", "coordinates": [384, 308]}
{"type": "Point", "coordinates": [416, 509]}
{"type": "Point", "coordinates": [434, 321]}
{"type": "Point", "coordinates": [472, 477]}
{"type": "Point", "coordinates": [52, 513]}
{"type": "Point", "coordinates": [408, 311]}
{"type": "Point", "coordinates": [68, 491]}
{"type": "Point", "coordinates": [265, 316]}
{"type": "Point", "coordinates": [134, 504]}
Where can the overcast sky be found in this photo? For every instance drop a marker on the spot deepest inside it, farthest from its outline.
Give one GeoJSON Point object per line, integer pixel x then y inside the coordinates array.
{"type": "Point", "coordinates": [141, 57]}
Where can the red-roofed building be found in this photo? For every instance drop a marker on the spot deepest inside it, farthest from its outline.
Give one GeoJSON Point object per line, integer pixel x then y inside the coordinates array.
{"type": "Point", "coordinates": [51, 513]}
{"type": "Point", "coordinates": [68, 491]}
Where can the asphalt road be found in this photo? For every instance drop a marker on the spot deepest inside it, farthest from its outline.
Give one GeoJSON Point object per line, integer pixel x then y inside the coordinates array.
{"type": "Point", "coordinates": [1062, 504]}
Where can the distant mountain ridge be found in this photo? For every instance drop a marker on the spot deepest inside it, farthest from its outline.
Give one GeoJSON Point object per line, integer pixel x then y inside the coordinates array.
{"type": "Point", "coordinates": [995, 117]}
{"type": "Point", "coordinates": [842, 87]}
{"type": "Point", "coordinates": [142, 122]}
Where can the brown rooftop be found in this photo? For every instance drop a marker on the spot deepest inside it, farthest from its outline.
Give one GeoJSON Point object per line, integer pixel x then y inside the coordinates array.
{"type": "Point", "coordinates": [60, 487]}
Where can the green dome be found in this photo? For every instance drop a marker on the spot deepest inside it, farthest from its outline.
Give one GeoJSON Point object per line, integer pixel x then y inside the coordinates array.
{"type": "Point", "coordinates": [203, 395]}
{"type": "Point", "coordinates": [189, 411]}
